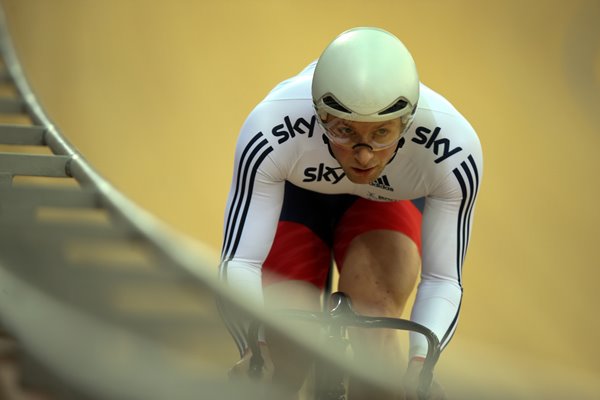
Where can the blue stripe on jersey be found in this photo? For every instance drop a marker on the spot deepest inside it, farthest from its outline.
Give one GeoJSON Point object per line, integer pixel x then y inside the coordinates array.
{"type": "Point", "coordinates": [252, 156]}
{"type": "Point", "coordinates": [237, 330]}
{"type": "Point", "coordinates": [468, 179]}
{"type": "Point", "coordinates": [260, 159]}
{"type": "Point", "coordinates": [466, 217]}
{"type": "Point", "coordinates": [461, 212]}
{"type": "Point", "coordinates": [419, 203]}
{"type": "Point", "coordinates": [450, 332]}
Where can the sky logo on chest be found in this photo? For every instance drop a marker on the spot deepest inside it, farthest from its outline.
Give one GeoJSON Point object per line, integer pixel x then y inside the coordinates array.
{"type": "Point", "coordinates": [323, 173]}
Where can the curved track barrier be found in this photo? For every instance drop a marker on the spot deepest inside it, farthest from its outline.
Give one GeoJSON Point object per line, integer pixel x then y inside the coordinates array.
{"type": "Point", "coordinates": [103, 301]}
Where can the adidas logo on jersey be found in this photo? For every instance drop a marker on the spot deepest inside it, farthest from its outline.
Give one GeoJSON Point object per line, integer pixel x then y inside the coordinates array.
{"type": "Point", "coordinates": [382, 183]}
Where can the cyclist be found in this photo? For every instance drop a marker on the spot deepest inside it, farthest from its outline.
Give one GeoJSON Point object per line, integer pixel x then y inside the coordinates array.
{"type": "Point", "coordinates": [355, 157]}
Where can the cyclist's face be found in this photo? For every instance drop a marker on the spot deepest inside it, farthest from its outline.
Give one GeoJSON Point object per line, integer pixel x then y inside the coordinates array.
{"type": "Point", "coordinates": [360, 163]}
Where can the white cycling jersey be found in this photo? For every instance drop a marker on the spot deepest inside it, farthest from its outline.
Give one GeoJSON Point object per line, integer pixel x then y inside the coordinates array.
{"type": "Point", "coordinates": [439, 158]}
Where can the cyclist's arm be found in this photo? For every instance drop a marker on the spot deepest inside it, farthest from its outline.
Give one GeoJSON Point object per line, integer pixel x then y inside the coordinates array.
{"type": "Point", "coordinates": [249, 228]}
{"type": "Point", "coordinates": [251, 214]}
{"type": "Point", "coordinates": [446, 229]}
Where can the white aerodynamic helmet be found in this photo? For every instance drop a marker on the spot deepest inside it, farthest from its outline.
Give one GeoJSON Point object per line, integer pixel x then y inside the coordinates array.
{"type": "Point", "coordinates": [366, 74]}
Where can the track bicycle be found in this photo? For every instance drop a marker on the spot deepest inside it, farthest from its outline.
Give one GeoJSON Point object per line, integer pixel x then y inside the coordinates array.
{"type": "Point", "coordinates": [330, 382]}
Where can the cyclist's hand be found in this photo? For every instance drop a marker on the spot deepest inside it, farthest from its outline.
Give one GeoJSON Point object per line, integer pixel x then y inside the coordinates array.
{"type": "Point", "coordinates": [411, 383]}
{"type": "Point", "coordinates": [241, 368]}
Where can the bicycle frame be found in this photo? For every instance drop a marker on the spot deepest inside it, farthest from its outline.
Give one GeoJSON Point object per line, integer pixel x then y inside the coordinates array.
{"type": "Point", "coordinates": [340, 316]}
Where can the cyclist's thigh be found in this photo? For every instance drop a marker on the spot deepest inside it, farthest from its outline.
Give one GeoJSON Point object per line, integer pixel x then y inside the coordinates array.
{"type": "Point", "coordinates": [367, 215]}
{"type": "Point", "coordinates": [377, 249]}
{"type": "Point", "coordinates": [302, 245]}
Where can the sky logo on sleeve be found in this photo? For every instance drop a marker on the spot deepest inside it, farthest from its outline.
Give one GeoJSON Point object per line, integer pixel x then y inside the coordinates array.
{"type": "Point", "coordinates": [290, 129]}
{"type": "Point", "coordinates": [441, 147]}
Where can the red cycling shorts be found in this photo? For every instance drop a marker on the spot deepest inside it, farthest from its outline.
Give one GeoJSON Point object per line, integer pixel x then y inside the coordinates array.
{"type": "Point", "coordinates": [312, 224]}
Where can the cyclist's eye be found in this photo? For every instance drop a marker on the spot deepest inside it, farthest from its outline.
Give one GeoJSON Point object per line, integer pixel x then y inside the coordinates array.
{"type": "Point", "coordinates": [344, 131]}
{"type": "Point", "coordinates": [381, 132]}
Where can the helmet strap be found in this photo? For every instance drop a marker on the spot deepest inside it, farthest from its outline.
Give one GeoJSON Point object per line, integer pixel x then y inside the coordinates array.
{"type": "Point", "coordinates": [398, 147]}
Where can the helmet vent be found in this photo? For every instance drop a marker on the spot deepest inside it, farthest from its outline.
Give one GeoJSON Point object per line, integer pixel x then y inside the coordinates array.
{"type": "Point", "coordinates": [331, 102]}
{"type": "Point", "coordinates": [397, 106]}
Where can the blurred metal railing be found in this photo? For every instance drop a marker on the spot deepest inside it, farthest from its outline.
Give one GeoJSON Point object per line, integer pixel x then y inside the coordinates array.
{"type": "Point", "coordinates": [102, 300]}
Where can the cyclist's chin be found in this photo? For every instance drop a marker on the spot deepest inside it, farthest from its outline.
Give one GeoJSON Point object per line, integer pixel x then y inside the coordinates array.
{"type": "Point", "coordinates": [362, 176]}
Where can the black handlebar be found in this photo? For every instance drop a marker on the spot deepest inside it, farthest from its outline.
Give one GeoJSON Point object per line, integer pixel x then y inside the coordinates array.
{"type": "Point", "coordinates": [341, 314]}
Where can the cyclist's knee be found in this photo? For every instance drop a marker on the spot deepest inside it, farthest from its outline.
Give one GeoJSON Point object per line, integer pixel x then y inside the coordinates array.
{"type": "Point", "coordinates": [380, 271]}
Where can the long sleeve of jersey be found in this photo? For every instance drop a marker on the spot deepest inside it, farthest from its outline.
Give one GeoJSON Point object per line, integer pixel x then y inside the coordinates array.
{"type": "Point", "coordinates": [253, 208]}
{"type": "Point", "coordinates": [446, 230]}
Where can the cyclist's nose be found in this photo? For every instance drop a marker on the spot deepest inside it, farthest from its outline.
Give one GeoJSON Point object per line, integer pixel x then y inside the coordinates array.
{"type": "Point", "coordinates": [363, 154]}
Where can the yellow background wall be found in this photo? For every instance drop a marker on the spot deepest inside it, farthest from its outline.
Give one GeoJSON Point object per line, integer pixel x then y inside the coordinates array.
{"type": "Point", "coordinates": [154, 93]}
